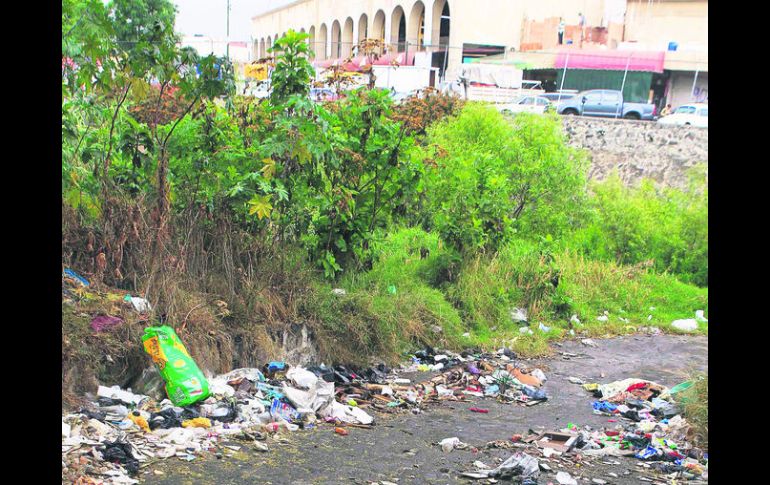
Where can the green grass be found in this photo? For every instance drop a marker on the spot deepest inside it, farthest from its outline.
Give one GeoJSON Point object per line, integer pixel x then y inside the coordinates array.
{"type": "Point", "coordinates": [434, 287]}
{"type": "Point", "coordinates": [696, 408]}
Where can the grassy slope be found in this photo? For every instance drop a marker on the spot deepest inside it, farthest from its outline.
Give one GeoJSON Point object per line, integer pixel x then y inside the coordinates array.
{"type": "Point", "coordinates": [375, 322]}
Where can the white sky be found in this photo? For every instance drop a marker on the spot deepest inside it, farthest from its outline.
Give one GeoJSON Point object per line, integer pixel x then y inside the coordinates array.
{"type": "Point", "coordinates": [209, 17]}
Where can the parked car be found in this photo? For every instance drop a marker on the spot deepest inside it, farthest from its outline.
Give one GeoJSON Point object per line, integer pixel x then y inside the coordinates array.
{"type": "Point", "coordinates": [696, 114]}
{"type": "Point", "coordinates": [526, 104]}
{"type": "Point", "coordinates": [607, 103]}
{"type": "Point", "coordinates": [323, 94]}
{"type": "Point", "coordinates": [399, 97]}
{"type": "Point", "coordinates": [260, 90]}
{"type": "Point", "coordinates": [558, 97]}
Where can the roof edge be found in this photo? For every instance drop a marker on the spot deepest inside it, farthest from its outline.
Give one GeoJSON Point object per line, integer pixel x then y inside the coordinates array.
{"type": "Point", "coordinates": [276, 9]}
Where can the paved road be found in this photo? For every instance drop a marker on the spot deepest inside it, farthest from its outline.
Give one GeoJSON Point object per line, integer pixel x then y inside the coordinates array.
{"type": "Point", "coordinates": [401, 447]}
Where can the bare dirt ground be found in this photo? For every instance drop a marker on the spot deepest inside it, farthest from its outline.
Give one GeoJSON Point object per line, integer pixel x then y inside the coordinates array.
{"type": "Point", "coordinates": [401, 448]}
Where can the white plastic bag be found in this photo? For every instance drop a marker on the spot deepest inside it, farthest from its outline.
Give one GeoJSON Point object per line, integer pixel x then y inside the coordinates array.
{"type": "Point", "coordinates": [302, 378]}
{"type": "Point", "coordinates": [346, 414]}
{"type": "Point", "coordinates": [688, 325]}
{"type": "Point", "coordinates": [449, 444]}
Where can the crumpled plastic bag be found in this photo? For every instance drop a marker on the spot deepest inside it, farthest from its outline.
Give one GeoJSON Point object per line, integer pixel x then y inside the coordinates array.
{"type": "Point", "coordinates": [319, 395]}
{"type": "Point", "coordinates": [219, 386]}
{"type": "Point", "coordinates": [687, 325]}
{"type": "Point", "coordinates": [517, 465]}
{"type": "Point", "coordinates": [346, 414]}
{"type": "Point", "coordinates": [250, 373]}
{"type": "Point", "coordinates": [449, 444]}
{"type": "Point", "coordinates": [302, 378]}
{"type": "Point", "coordinates": [613, 388]}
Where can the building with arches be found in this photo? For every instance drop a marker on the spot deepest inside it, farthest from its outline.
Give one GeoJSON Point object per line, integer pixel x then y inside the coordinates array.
{"type": "Point", "coordinates": [447, 29]}
{"type": "Point", "coordinates": [451, 32]}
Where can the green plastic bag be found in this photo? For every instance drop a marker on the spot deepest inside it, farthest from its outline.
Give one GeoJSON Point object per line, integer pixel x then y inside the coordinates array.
{"type": "Point", "coordinates": [185, 383]}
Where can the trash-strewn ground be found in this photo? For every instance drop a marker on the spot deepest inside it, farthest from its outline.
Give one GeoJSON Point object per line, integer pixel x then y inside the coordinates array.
{"type": "Point", "coordinates": [401, 448]}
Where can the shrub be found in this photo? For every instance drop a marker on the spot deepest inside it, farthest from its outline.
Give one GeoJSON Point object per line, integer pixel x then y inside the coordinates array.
{"type": "Point", "coordinates": [666, 226]}
{"type": "Point", "coordinates": [418, 112]}
{"type": "Point", "coordinates": [493, 178]}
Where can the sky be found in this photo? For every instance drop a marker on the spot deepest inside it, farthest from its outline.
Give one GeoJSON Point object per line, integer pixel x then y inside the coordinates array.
{"type": "Point", "coordinates": [209, 17]}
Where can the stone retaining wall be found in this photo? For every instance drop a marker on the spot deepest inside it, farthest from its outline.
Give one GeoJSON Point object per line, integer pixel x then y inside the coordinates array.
{"type": "Point", "coordinates": [639, 149]}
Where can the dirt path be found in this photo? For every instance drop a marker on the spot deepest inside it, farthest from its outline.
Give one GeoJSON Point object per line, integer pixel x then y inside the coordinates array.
{"type": "Point", "coordinates": [401, 447]}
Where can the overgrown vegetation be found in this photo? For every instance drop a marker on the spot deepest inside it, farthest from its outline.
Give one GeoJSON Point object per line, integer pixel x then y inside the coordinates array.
{"type": "Point", "coordinates": [696, 408]}
{"type": "Point", "coordinates": [436, 217]}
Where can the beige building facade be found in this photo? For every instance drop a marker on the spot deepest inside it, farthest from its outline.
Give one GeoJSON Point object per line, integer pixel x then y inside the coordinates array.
{"type": "Point", "coordinates": [445, 27]}
{"type": "Point", "coordinates": [452, 31]}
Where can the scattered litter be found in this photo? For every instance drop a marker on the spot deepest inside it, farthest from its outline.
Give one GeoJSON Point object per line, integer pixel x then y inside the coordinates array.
{"type": "Point", "coordinates": [101, 323]}
{"type": "Point", "coordinates": [185, 383]}
{"type": "Point", "coordinates": [519, 315]}
{"type": "Point", "coordinates": [565, 478]}
{"type": "Point", "coordinates": [116, 393]}
{"type": "Point", "coordinates": [339, 292]}
{"type": "Point", "coordinates": [602, 318]}
{"type": "Point", "coordinates": [140, 304]}
{"type": "Point", "coordinates": [688, 325]}
{"type": "Point", "coordinates": [588, 342]}
{"type": "Point", "coordinates": [700, 317]}
{"type": "Point", "coordinates": [543, 328]}
{"type": "Point", "coordinates": [449, 444]}
{"type": "Point", "coordinates": [250, 404]}
{"type": "Point", "coordinates": [517, 465]}
{"type": "Point", "coordinates": [68, 273]}
{"type": "Point", "coordinates": [576, 380]}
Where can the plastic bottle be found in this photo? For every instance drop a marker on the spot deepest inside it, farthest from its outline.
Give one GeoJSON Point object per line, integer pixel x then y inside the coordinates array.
{"type": "Point", "coordinates": [341, 431]}
{"type": "Point", "coordinates": [140, 421]}
{"type": "Point", "coordinates": [280, 427]}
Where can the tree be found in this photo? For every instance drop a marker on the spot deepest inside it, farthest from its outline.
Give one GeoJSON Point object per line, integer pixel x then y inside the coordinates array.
{"type": "Point", "coordinates": [292, 72]}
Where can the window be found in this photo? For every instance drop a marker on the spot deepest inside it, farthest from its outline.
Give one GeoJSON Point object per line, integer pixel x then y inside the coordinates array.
{"type": "Point", "coordinates": [542, 102]}
{"type": "Point", "coordinates": [685, 110]}
{"type": "Point", "coordinates": [593, 97]}
{"type": "Point", "coordinates": [611, 97]}
{"type": "Point", "coordinates": [704, 112]}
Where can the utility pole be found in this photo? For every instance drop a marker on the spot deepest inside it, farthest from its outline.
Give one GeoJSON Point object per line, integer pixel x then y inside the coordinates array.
{"type": "Point", "coordinates": [228, 30]}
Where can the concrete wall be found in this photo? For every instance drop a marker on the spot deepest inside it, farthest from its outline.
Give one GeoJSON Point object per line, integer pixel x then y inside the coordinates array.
{"type": "Point", "coordinates": [654, 24]}
{"type": "Point", "coordinates": [639, 149]}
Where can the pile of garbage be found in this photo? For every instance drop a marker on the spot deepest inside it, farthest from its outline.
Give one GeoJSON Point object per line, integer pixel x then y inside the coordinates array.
{"type": "Point", "coordinates": [649, 426]}
{"type": "Point", "coordinates": [119, 432]}
{"type": "Point", "coordinates": [471, 374]}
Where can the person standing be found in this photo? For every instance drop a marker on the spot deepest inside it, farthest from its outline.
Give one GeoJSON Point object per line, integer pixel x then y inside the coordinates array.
{"type": "Point", "coordinates": [582, 22]}
{"type": "Point", "coordinates": [560, 30]}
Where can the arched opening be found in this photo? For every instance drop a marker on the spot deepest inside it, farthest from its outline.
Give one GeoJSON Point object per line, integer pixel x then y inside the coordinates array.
{"type": "Point", "coordinates": [440, 35]}
{"type": "Point", "coordinates": [311, 41]}
{"type": "Point", "coordinates": [415, 33]}
{"type": "Point", "coordinates": [378, 26]}
{"type": "Point", "coordinates": [262, 48]}
{"type": "Point", "coordinates": [335, 53]}
{"type": "Point", "coordinates": [269, 44]}
{"type": "Point", "coordinates": [363, 28]}
{"type": "Point", "coordinates": [398, 29]}
{"type": "Point", "coordinates": [321, 43]}
{"type": "Point", "coordinates": [347, 38]}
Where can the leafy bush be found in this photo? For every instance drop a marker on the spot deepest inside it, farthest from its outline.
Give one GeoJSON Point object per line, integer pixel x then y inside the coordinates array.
{"type": "Point", "coordinates": [431, 106]}
{"type": "Point", "coordinates": [668, 227]}
{"type": "Point", "coordinates": [393, 307]}
{"type": "Point", "coordinates": [492, 178]}
{"type": "Point", "coordinates": [489, 287]}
